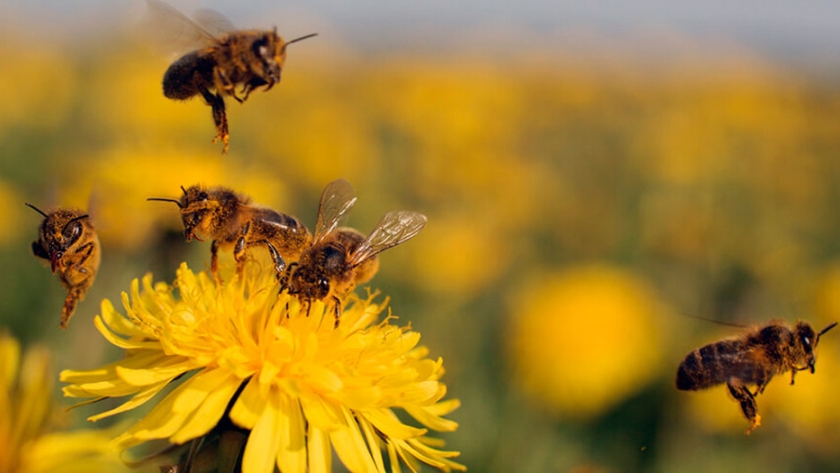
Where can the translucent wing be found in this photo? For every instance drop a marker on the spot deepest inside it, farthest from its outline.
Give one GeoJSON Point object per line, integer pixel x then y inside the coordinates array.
{"type": "Point", "coordinates": [213, 22]}
{"type": "Point", "coordinates": [337, 199]}
{"type": "Point", "coordinates": [394, 228]}
{"type": "Point", "coordinates": [173, 30]}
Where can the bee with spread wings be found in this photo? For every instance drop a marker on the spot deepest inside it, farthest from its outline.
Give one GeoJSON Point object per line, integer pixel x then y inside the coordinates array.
{"type": "Point", "coordinates": [226, 58]}
{"type": "Point", "coordinates": [341, 258]}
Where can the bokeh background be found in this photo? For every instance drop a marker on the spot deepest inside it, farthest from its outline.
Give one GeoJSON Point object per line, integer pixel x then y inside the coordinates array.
{"type": "Point", "coordinates": [595, 176]}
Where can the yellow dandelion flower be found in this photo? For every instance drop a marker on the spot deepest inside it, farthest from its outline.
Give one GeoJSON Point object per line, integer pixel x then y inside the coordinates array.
{"type": "Point", "coordinates": [300, 386]}
{"type": "Point", "coordinates": [27, 415]}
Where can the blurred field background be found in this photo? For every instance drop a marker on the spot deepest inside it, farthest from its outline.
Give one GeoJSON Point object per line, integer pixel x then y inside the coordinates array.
{"type": "Point", "coordinates": [584, 194]}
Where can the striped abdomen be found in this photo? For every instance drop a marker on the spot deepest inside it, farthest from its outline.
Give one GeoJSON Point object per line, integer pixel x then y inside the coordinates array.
{"type": "Point", "coordinates": [716, 363]}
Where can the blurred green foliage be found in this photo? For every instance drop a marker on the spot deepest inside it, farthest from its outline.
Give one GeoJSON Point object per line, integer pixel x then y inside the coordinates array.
{"type": "Point", "coordinates": [707, 188]}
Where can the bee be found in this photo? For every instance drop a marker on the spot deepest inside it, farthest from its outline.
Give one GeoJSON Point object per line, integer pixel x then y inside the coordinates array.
{"type": "Point", "coordinates": [340, 258]}
{"type": "Point", "coordinates": [67, 239]}
{"type": "Point", "coordinates": [230, 220]}
{"type": "Point", "coordinates": [752, 359]}
{"type": "Point", "coordinates": [231, 58]}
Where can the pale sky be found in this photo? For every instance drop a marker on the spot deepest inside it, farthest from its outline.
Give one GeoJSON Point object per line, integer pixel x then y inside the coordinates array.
{"type": "Point", "coordinates": [783, 29]}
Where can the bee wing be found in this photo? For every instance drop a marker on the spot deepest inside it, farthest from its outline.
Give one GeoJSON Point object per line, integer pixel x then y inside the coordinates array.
{"type": "Point", "coordinates": [213, 22]}
{"type": "Point", "coordinates": [393, 228]}
{"type": "Point", "coordinates": [338, 198]}
{"type": "Point", "coordinates": [172, 29]}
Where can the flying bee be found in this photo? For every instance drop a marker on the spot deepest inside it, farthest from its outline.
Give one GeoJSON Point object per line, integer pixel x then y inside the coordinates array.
{"type": "Point", "coordinates": [226, 60]}
{"type": "Point", "coordinates": [230, 220]}
{"type": "Point", "coordinates": [752, 359]}
{"type": "Point", "coordinates": [67, 239]}
{"type": "Point", "coordinates": [341, 258]}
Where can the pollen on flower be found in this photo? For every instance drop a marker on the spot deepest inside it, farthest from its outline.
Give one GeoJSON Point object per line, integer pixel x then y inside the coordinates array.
{"type": "Point", "coordinates": [283, 371]}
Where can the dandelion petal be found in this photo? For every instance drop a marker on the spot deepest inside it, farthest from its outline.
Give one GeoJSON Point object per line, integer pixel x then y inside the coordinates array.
{"type": "Point", "coordinates": [210, 410]}
{"type": "Point", "coordinates": [264, 440]}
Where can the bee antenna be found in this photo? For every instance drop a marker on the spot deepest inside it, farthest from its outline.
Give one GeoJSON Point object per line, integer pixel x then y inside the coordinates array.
{"type": "Point", "coordinates": [76, 219]}
{"type": "Point", "coordinates": [299, 39]}
{"type": "Point", "coordinates": [830, 326]}
{"type": "Point", "coordinates": [714, 321]}
{"type": "Point", "coordinates": [161, 199]}
{"type": "Point", "coordinates": [183, 190]}
{"type": "Point", "coordinates": [36, 209]}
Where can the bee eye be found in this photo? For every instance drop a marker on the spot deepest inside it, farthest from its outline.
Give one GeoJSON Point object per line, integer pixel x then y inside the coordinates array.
{"type": "Point", "coordinates": [202, 195]}
{"type": "Point", "coordinates": [260, 47]}
{"type": "Point", "coordinates": [324, 284]}
{"type": "Point", "coordinates": [72, 231]}
{"type": "Point", "coordinates": [806, 341]}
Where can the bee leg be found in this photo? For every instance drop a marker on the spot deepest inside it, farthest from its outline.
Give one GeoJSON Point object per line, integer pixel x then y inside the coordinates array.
{"type": "Point", "coordinates": [88, 250]}
{"type": "Point", "coordinates": [74, 295]}
{"type": "Point", "coordinates": [214, 261]}
{"type": "Point", "coordinates": [224, 84]}
{"type": "Point", "coordinates": [794, 370]}
{"type": "Point", "coordinates": [761, 385]}
{"type": "Point", "coordinates": [747, 401]}
{"type": "Point", "coordinates": [279, 262]}
{"type": "Point", "coordinates": [239, 249]}
{"type": "Point", "coordinates": [217, 104]}
{"type": "Point", "coordinates": [77, 274]}
{"type": "Point", "coordinates": [337, 305]}
{"type": "Point", "coordinates": [246, 89]}
{"type": "Point", "coordinates": [286, 276]}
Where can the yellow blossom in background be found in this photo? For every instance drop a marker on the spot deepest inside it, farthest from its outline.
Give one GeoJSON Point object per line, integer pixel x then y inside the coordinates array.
{"type": "Point", "coordinates": [133, 106]}
{"type": "Point", "coordinates": [584, 339]}
{"type": "Point", "coordinates": [301, 386]}
{"type": "Point", "coordinates": [467, 267]}
{"type": "Point", "coordinates": [39, 100]}
{"type": "Point", "coordinates": [28, 442]}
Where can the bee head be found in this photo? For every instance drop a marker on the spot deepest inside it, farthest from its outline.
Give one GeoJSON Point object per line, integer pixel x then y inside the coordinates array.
{"type": "Point", "coordinates": [807, 339]}
{"type": "Point", "coordinates": [307, 281]}
{"type": "Point", "coordinates": [310, 285]}
{"type": "Point", "coordinates": [270, 53]}
{"type": "Point", "coordinates": [59, 231]}
{"type": "Point", "coordinates": [202, 208]}
{"type": "Point", "coordinates": [195, 205]}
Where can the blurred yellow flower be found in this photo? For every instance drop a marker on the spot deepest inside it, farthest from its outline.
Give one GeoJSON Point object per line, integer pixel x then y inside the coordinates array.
{"type": "Point", "coordinates": [27, 415]}
{"type": "Point", "coordinates": [41, 100]}
{"type": "Point", "coordinates": [584, 339]}
{"type": "Point", "coordinates": [286, 374]}
{"type": "Point", "coordinates": [466, 269]}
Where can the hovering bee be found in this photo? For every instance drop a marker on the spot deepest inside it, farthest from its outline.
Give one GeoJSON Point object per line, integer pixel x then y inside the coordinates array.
{"type": "Point", "coordinates": [67, 239]}
{"type": "Point", "coordinates": [341, 258]}
{"type": "Point", "coordinates": [227, 59]}
{"type": "Point", "coordinates": [232, 221]}
{"type": "Point", "coordinates": [753, 358]}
